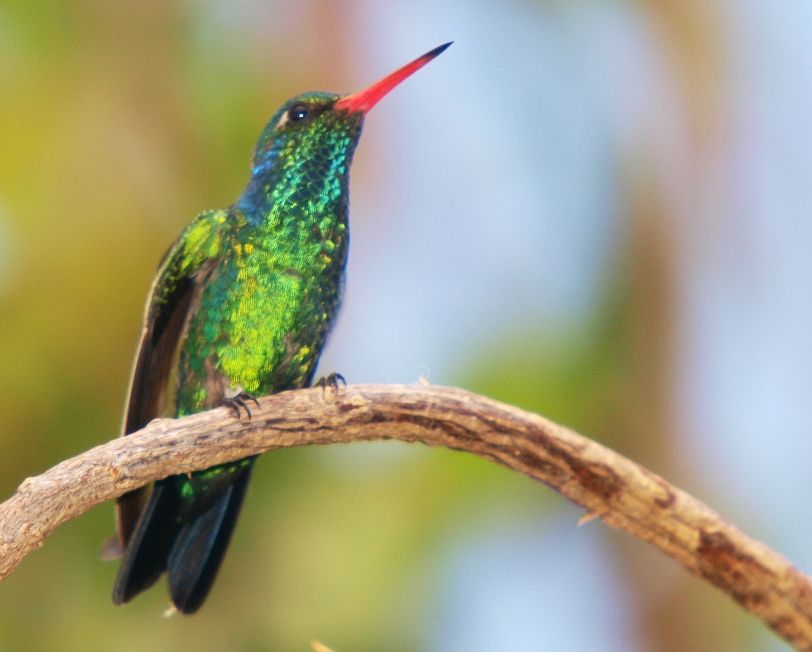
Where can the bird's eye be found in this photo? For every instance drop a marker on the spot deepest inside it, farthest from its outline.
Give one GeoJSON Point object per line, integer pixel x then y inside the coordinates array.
{"type": "Point", "coordinates": [297, 113]}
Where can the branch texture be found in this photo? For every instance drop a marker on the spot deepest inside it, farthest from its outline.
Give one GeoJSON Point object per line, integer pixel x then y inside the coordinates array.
{"type": "Point", "coordinates": [606, 484]}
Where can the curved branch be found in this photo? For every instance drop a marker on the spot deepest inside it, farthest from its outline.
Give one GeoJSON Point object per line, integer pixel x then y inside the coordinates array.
{"type": "Point", "coordinates": [606, 484]}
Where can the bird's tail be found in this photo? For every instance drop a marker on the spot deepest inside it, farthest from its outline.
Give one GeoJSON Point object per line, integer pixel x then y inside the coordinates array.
{"type": "Point", "coordinates": [187, 541]}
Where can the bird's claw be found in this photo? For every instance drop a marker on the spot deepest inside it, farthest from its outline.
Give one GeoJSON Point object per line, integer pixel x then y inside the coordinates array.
{"type": "Point", "coordinates": [240, 401]}
{"type": "Point", "coordinates": [332, 381]}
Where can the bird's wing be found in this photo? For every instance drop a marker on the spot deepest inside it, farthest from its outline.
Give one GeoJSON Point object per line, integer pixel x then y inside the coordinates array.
{"type": "Point", "coordinates": [174, 292]}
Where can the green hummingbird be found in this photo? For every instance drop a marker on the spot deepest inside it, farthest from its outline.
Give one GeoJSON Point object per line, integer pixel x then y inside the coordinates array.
{"type": "Point", "coordinates": [241, 306]}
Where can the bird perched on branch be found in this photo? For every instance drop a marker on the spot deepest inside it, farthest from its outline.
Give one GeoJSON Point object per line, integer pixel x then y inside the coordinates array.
{"type": "Point", "coordinates": [241, 306]}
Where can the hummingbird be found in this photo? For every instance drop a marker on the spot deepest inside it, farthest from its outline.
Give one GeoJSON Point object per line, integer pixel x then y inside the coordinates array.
{"type": "Point", "coordinates": [241, 306]}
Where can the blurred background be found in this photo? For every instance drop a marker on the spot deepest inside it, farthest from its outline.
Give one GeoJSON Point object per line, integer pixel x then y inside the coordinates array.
{"type": "Point", "coordinates": [595, 210]}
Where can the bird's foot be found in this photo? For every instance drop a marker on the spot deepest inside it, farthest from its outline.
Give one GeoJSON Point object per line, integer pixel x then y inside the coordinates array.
{"type": "Point", "coordinates": [240, 400]}
{"type": "Point", "coordinates": [332, 381]}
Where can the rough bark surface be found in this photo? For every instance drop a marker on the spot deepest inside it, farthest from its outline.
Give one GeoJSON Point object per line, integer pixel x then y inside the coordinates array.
{"type": "Point", "coordinates": [607, 485]}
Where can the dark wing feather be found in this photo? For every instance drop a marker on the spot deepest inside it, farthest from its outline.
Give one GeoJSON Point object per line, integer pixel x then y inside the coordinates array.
{"type": "Point", "coordinates": [152, 541]}
{"type": "Point", "coordinates": [148, 387]}
{"type": "Point", "coordinates": [178, 283]}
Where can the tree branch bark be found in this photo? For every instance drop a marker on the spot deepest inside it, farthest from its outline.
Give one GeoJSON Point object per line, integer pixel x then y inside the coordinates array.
{"type": "Point", "coordinates": [606, 484]}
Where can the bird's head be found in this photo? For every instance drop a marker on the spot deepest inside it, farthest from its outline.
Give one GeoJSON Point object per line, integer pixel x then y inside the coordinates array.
{"type": "Point", "coordinates": [322, 129]}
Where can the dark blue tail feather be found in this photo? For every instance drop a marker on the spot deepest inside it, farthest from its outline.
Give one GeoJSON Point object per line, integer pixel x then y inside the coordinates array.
{"type": "Point", "coordinates": [190, 551]}
{"type": "Point", "coordinates": [200, 546]}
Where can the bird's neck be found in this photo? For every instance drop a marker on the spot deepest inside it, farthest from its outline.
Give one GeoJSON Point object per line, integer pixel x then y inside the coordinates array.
{"type": "Point", "coordinates": [290, 189]}
{"type": "Point", "coordinates": [298, 212]}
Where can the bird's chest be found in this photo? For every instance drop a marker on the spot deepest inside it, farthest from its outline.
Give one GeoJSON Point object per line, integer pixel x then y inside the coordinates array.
{"type": "Point", "coordinates": [261, 320]}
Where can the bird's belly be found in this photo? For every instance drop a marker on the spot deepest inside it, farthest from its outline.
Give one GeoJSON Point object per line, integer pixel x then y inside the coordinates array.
{"type": "Point", "coordinates": [264, 339]}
